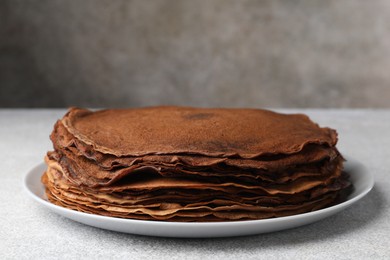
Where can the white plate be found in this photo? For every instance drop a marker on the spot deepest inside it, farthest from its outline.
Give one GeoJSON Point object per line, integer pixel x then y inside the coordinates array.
{"type": "Point", "coordinates": [361, 179]}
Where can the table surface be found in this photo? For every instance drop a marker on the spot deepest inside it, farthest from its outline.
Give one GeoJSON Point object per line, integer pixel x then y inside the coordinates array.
{"type": "Point", "coordinates": [29, 231]}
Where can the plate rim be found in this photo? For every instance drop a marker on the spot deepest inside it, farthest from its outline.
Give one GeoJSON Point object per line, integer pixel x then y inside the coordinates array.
{"type": "Point", "coordinates": [154, 223]}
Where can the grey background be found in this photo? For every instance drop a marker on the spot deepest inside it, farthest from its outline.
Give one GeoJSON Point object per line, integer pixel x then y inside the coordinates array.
{"type": "Point", "coordinates": [118, 53]}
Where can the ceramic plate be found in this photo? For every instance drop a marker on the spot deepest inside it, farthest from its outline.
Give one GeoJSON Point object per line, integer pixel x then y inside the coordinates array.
{"type": "Point", "coordinates": [360, 177]}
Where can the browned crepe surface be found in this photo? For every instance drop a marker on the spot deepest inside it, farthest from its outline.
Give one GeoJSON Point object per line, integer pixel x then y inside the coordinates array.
{"type": "Point", "coordinates": [213, 132]}
{"type": "Point", "coordinates": [189, 164]}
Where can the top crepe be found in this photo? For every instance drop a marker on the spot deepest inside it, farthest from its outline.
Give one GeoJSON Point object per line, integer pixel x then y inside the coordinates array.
{"type": "Point", "coordinates": [245, 133]}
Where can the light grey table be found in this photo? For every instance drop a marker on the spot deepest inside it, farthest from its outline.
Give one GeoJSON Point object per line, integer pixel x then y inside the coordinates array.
{"type": "Point", "coordinates": [28, 231]}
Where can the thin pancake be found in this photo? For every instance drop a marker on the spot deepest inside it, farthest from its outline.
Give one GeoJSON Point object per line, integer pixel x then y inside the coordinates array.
{"type": "Point", "coordinates": [246, 133]}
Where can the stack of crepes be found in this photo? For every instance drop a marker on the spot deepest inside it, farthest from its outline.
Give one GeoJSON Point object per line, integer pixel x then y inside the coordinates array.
{"type": "Point", "coordinates": [192, 164]}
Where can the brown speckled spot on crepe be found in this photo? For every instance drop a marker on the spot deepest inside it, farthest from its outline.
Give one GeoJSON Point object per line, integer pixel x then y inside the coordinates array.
{"type": "Point", "coordinates": [197, 116]}
{"type": "Point", "coordinates": [189, 164]}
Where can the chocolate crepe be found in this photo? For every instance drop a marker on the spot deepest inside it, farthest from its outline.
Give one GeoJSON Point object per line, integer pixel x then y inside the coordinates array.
{"type": "Point", "coordinates": [192, 164]}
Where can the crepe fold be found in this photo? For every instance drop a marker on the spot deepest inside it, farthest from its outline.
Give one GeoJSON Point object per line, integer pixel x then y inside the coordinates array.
{"type": "Point", "coordinates": [193, 164]}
